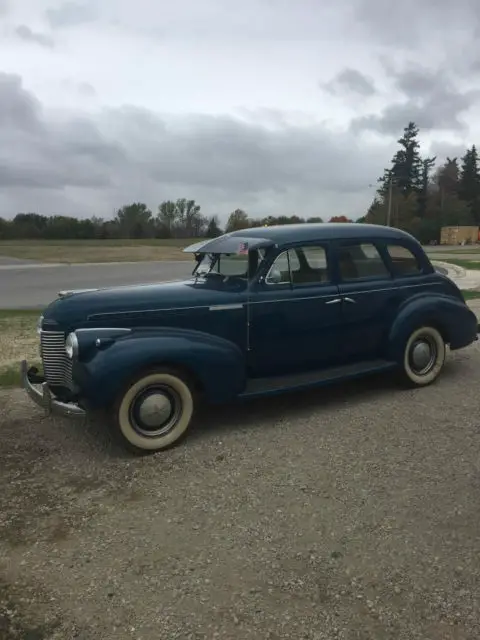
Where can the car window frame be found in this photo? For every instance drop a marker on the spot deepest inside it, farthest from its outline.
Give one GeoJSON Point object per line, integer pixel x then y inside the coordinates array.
{"type": "Point", "coordinates": [323, 244]}
{"type": "Point", "coordinates": [387, 277]}
{"type": "Point", "coordinates": [404, 245]}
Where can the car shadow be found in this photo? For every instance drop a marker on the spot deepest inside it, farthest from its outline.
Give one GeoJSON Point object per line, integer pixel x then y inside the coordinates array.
{"type": "Point", "coordinates": [247, 415]}
{"type": "Point", "coordinates": [292, 405]}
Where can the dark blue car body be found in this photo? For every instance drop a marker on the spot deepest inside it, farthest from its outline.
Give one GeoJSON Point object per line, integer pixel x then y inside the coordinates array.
{"type": "Point", "coordinates": [272, 330]}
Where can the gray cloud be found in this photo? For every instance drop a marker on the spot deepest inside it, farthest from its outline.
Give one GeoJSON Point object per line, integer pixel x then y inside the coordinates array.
{"type": "Point", "coordinates": [131, 153]}
{"type": "Point", "coordinates": [42, 152]}
{"type": "Point", "coordinates": [86, 89]}
{"type": "Point", "coordinates": [27, 35]}
{"type": "Point", "coordinates": [403, 24]}
{"type": "Point", "coordinates": [431, 100]}
{"type": "Point", "coordinates": [71, 14]}
{"type": "Point", "coordinates": [351, 80]}
{"type": "Point", "coordinates": [4, 7]}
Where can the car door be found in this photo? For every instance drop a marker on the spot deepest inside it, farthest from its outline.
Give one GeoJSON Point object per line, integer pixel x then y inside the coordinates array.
{"type": "Point", "coordinates": [369, 299]}
{"type": "Point", "coordinates": [294, 314]}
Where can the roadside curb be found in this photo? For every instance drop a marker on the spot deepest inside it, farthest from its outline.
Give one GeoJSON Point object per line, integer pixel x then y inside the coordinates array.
{"type": "Point", "coordinates": [453, 270]}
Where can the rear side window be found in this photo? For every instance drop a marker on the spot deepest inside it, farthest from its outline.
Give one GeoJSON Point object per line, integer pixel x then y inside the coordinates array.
{"type": "Point", "coordinates": [404, 261]}
{"type": "Point", "coordinates": [300, 266]}
{"type": "Point", "coordinates": [362, 260]}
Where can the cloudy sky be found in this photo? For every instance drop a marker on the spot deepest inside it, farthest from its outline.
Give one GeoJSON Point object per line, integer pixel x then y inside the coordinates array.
{"type": "Point", "coordinates": [274, 106]}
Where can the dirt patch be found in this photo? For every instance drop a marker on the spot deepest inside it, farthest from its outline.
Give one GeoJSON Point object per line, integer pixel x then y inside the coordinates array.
{"type": "Point", "coordinates": [13, 623]}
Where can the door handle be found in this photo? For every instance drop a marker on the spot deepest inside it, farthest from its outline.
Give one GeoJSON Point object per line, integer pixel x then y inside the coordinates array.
{"type": "Point", "coordinates": [335, 301]}
{"type": "Point", "coordinates": [349, 300]}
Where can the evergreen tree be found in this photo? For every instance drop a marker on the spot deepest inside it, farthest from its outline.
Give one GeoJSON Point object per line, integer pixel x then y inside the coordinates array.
{"type": "Point", "coordinates": [469, 183]}
{"type": "Point", "coordinates": [406, 170]}
{"type": "Point", "coordinates": [427, 166]}
{"type": "Point", "coordinates": [213, 228]}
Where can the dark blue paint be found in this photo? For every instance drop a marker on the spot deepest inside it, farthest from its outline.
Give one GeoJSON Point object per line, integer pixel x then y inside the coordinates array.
{"type": "Point", "coordinates": [277, 330]}
{"type": "Point", "coordinates": [217, 365]}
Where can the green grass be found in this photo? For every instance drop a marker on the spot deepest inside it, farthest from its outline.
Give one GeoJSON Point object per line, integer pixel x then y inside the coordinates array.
{"type": "Point", "coordinates": [18, 340]}
{"type": "Point", "coordinates": [82, 251]}
{"type": "Point", "coordinates": [34, 314]}
{"type": "Point", "coordinates": [468, 294]}
{"type": "Point", "coordinates": [10, 375]}
{"type": "Point", "coordinates": [466, 264]}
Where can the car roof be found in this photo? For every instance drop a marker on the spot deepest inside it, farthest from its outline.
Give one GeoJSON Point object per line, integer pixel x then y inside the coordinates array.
{"type": "Point", "coordinates": [304, 232]}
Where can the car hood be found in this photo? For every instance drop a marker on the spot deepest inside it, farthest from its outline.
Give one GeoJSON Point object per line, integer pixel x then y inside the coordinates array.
{"type": "Point", "coordinates": [115, 305]}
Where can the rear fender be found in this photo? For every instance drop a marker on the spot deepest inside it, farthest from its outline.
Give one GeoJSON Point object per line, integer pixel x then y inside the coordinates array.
{"type": "Point", "coordinates": [451, 316]}
{"type": "Point", "coordinates": [217, 365]}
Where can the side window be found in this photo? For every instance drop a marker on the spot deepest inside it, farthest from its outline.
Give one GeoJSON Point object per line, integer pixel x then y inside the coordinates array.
{"type": "Point", "coordinates": [308, 265]}
{"type": "Point", "coordinates": [279, 271]}
{"type": "Point", "coordinates": [361, 261]}
{"type": "Point", "coordinates": [404, 261]}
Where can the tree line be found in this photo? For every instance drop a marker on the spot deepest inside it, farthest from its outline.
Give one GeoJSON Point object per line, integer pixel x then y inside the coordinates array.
{"type": "Point", "coordinates": [413, 195]}
{"type": "Point", "coordinates": [421, 198]}
{"type": "Point", "coordinates": [180, 219]}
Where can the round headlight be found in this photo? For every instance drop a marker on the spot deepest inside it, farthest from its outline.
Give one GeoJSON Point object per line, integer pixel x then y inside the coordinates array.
{"type": "Point", "coordinates": [71, 345]}
{"type": "Point", "coordinates": [39, 324]}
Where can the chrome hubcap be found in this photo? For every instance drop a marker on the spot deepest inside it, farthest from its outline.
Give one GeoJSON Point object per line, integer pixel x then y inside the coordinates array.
{"type": "Point", "coordinates": [423, 355]}
{"type": "Point", "coordinates": [155, 411]}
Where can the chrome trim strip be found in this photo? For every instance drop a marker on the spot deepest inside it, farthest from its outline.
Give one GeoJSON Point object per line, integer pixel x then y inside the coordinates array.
{"type": "Point", "coordinates": [225, 307]}
{"type": "Point", "coordinates": [102, 329]}
{"type": "Point", "coordinates": [97, 316]}
{"type": "Point", "coordinates": [289, 299]}
{"type": "Point", "coordinates": [329, 295]}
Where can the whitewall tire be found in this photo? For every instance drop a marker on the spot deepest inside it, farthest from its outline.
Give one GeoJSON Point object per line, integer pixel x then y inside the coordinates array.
{"type": "Point", "coordinates": [423, 357]}
{"type": "Point", "coordinates": [154, 411]}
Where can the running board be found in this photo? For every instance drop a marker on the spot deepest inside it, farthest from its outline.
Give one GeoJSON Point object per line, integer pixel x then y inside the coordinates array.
{"type": "Point", "coordinates": [281, 384]}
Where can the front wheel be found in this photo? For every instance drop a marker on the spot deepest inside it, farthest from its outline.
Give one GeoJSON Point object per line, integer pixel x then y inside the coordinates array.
{"type": "Point", "coordinates": [424, 357]}
{"type": "Point", "coordinates": [154, 411]}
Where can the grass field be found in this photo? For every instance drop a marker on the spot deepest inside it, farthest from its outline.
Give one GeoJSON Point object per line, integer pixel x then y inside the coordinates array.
{"type": "Point", "coordinates": [473, 265]}
{"type": "Point", "coordinates": [82, 251]}
{"type": "Point", "coordinates": [19, 340]}
{"type": "Point", "coordinates": [471, 295]}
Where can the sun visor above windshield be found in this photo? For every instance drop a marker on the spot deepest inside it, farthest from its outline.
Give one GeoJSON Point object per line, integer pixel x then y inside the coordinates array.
{"type": "Point", "coordinates": [229, 244]}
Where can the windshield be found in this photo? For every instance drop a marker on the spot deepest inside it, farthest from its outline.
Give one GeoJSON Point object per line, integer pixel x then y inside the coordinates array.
{"type": "Point", "coordinates": [229, 265]}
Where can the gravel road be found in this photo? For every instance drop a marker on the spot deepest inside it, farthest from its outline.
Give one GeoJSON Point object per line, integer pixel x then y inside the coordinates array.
{"type": "Point", "coordinates": [348, 513]}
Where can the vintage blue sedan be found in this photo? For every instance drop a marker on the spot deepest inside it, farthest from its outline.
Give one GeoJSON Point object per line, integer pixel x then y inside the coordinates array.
{"type": "Point", "coordinates": [267, 310]}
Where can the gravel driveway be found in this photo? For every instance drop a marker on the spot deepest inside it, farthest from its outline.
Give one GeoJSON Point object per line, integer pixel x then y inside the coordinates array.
{"type": "Point", "coordinates": [349, 513]}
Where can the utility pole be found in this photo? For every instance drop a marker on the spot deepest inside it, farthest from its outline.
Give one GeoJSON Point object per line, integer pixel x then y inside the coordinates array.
{"type": "Point", "coordinates": [389, 210]}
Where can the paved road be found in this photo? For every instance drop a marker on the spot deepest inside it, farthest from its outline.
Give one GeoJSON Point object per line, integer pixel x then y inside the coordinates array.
{"type": "Point", "coordinates": [25, 284]}
{"type": "Point", "coordinates": [348, 513]}
{"type": "Point", "coordinates": [29, 286]}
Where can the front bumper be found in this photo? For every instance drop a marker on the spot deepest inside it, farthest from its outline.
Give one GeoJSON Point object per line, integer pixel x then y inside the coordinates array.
{"type": "Point", "coordinates": [40, 393]}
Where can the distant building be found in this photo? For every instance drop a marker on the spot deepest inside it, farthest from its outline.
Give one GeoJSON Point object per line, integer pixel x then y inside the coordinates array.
{"type": "Point", "coordinates": [459, 235]}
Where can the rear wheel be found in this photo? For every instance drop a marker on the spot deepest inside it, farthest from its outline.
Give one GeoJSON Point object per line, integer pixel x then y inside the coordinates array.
{"type": "Point", "coordinates": [154, 411]}
{"type": "Point", "coordinates": [424, 357]}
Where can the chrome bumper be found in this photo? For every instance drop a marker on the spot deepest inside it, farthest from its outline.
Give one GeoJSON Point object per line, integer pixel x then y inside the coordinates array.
{"type": "Point", "coordinates": [42, 396]}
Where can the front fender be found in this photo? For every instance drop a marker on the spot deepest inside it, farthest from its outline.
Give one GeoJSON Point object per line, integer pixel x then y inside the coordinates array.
{"type": "Point", "coordinates": [452, 317]}
{"type": "Point", "coordinates": [217, 364]}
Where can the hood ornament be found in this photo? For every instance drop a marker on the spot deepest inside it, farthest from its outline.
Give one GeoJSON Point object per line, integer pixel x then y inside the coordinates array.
{"type": "Point", "coordinates": [71, 292]}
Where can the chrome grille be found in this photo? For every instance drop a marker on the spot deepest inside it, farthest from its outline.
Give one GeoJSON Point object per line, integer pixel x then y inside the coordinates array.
{"type": "Point", "coordinates": [57, 367]}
